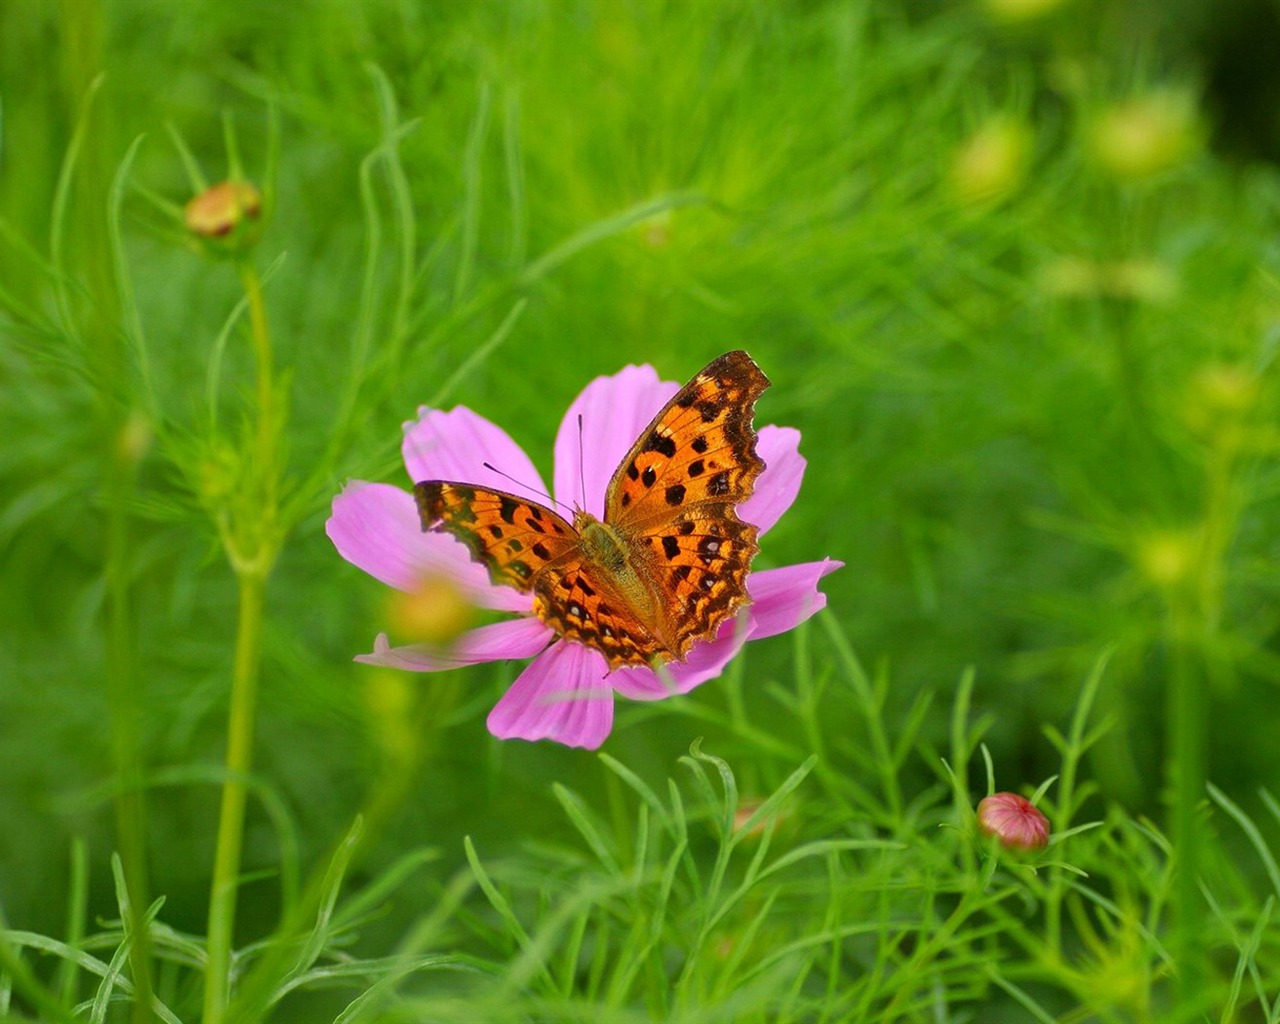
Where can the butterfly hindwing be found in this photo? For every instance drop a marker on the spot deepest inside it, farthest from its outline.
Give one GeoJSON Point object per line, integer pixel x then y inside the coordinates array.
{"type": "Point", "coordinates": [703, 565]}
{"type": "Point", "coordinates": [514, 538]}
{"type": "Point", "coordinates": [584, 606]}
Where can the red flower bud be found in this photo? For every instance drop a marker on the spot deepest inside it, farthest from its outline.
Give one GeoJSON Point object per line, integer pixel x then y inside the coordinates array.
{"type": "Point", "coordinates": [1014, 820]}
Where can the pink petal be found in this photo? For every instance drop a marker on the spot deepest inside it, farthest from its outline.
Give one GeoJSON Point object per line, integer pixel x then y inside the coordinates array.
{"type": "Point", "coordinates": [563, 695]}
{"type": "Point", "coordinates": [705, 661]}
{"type": "Point", "coordinates": [376, 527]}
{"type": "Point", "coordinates": [514, 638]}
{"type": "Point", "coordinates": [783, 598]}
{"type": "Point", "coordinates": [778, 485]}
{"type": "Point", "coordinates": [614, 410]}
{"type": "Point", "coordinates": [455, 445]}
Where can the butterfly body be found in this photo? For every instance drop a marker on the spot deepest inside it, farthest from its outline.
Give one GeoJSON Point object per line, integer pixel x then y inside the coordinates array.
{"type": "Point", "coordinates": [667, 564]}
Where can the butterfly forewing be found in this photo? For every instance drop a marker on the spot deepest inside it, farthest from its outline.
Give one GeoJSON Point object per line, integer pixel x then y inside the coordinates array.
{"type": "Point", "coordinates": [514, 538]}
{"type": "Point", "coordinates": [700, 448]}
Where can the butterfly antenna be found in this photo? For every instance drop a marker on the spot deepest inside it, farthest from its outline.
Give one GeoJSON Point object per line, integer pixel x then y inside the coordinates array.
{"type": "Point", "coordinates": [532, 490]}
{"type": "Point", "coordinates": [582, 460]}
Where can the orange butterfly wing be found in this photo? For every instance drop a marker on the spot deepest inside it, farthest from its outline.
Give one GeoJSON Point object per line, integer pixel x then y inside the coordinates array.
{"type": "Point", "coordinates": [675, 493]}
{"type": "Point", "coordinates": [514, 538]}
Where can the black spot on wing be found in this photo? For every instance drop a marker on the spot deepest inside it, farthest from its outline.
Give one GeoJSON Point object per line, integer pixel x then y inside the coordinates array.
{"type": "Point", "coordinates": [655, 442]}
{"type": "Point", "coordinates": [661, 444]}
{"type": "Point", "coordinates": [675, 494]}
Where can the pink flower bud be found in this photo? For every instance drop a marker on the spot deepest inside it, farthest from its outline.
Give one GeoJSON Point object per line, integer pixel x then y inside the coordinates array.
{"type": "Point", "coordinates": [1014, 820]}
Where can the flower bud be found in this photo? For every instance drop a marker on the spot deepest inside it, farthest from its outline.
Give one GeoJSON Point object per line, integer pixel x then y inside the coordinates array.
{"type": "Point", "coordinates": [1219, 404]}
{"type": "Point", "coordinates": [992, 162]}
{"type": "Point", "coordinates": [134, 438]}
{"type": "Point", "coordinates": [1167, 557]}
{"type": "Point", "coordinates": [1015, 12]}
{"type": "Point", "coordinates": [1226, 390]}
{"type": "Point", "coordinates": [227, 214]}
{"type": "Point", "coordinates": [1145, 135]}
{"type": "Point", "coordinates": [746, 808]}
{"type": "Point", "coordinates": [1014, 820]}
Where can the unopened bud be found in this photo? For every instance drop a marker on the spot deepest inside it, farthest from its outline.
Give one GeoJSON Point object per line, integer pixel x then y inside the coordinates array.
{"type": "Point", "coordinates": [218, 211]}
{"type": "Point", "coordinates": [1145, 135]}
{"type": "Point", "coordinates": [992, 162]}
{"type": "Point", "coordinates": [1167, 557]}
{"type": "Point", "coordinates": [1015, 12]}
{"type": "Point", "coordinates": [1014, 820]}
{"type": "Point", "coordinates": [134, 438]}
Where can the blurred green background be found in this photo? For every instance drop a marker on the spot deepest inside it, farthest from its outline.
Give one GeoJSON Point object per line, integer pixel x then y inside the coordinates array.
{"type": "Point", "coordinates": [1011, 267]}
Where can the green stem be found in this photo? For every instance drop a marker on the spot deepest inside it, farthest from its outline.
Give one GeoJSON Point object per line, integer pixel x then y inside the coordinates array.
{"type": "Point", "coordinates": [226, 868]}
{"type": "Point", "coordinates": [122, 685]}
{"type": "Point", "coordinates": [265, 447]}
{"type": "Point", "coordinates": [251, 537]}
{"type": "Point", "coordinates": [1186, 729]}
{"type": "Point", "coordinates": [1194, 618]}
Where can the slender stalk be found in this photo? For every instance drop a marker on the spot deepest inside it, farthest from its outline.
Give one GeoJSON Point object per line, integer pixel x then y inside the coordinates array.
{"type": "Point", "coordinates": [125, 703]}
{"type": "Point", "coordinates": [268, 423]}
{"type": "Point", "coordinates": [251, 537]}
{"type": "Point", "coordinates": [1195, 616]}
{"type": "Point", "coordinates": [1186, 730]}
{"type": "Point", "coordinates": [226, 868]}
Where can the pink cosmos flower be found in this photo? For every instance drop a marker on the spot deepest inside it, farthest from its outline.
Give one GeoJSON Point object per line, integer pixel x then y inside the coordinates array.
{"type": "Point", "coordinates": [566, 692]}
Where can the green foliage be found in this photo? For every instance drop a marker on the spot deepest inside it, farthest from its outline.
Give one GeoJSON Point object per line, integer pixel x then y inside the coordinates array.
{"type": "Point", "coordinates": [1025, 318]}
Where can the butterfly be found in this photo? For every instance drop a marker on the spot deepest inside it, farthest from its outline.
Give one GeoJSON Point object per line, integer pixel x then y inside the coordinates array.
{"type": "Point", "coordinates": [668, 563]}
